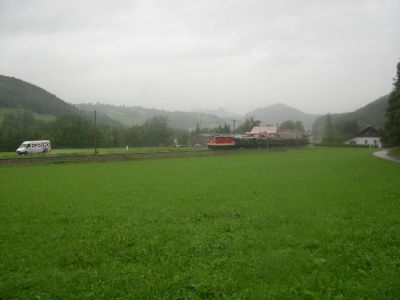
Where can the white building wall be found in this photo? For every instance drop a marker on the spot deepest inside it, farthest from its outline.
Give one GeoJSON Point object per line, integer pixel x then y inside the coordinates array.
{"type": "Point", "coordinates": [370, 141]}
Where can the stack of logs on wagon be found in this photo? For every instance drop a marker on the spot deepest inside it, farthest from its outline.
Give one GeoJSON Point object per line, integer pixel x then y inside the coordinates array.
{"type": "Point", "coordinates": [259, 137]}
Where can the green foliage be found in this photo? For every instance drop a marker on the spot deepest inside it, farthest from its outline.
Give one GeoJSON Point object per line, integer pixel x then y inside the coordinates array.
{"type": "Point", "coordinates": [330, 136]}
{"type": "Point", "coordinates": [395, 152]}
{"type": "Point", "coordinates": [339, 131]}
{"type": "Point", "coordinates": [182, 136]}
{"type": "Point", "coordinates": [223, 129]}
{"type": "Point", "coordinates": [70, 130]}
{"type": "Point", "coordinates": [248, 125]}
{"type": "Point", "coordinates": [156, 132]}
{"type": "Point", "coordinates": [38, 117]}
{"type": "Point", "coordinates": [195, 229]}
{"type": "Point", "coordinates": [134, 136]}
{"type": "Point", "coordinates": [300, 126]}
{"type": "Point", "coordinates": [291, 125]}
{"type": "Point", "coordinates": [288, 125]}
{"type": "Point", "coordinates": [347, 129]}
{"type": "Point", "coordinates": [392, 126]}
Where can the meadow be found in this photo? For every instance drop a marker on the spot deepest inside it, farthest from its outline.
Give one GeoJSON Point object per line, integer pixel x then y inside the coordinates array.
{"type": "Point", "coordinates": [312, 223]}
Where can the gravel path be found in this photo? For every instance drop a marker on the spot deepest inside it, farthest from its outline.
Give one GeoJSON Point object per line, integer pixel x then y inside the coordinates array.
{"type": "Point", "coordinates": [384, 154]}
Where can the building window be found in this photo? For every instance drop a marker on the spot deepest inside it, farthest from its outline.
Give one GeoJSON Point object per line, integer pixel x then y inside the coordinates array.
{"type": "Point", "coordinates": [366, 142]}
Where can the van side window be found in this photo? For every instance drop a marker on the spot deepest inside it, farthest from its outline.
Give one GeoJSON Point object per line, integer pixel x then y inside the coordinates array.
{"type": "Point", "coordinates": [27, 146]}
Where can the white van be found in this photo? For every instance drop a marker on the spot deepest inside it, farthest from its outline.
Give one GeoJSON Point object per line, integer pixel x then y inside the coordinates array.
{"type": "Point", "coordinates": [34, 147]}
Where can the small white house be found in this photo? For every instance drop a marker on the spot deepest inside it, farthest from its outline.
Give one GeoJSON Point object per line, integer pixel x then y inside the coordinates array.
{"type": "Point", "coordinates": [369, 136]}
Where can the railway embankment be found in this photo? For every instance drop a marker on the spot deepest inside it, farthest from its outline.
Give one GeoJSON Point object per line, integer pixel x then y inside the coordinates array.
{"type": "Point", "coordinates": [109, 157]}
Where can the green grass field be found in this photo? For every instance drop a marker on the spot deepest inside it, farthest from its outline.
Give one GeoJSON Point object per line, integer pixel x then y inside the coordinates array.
{"type": "Point", "coordinates": [315, 223]}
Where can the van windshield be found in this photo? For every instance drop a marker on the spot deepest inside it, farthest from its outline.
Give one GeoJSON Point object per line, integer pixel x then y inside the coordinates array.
{"type": "Point", "coordinates": [23, 145]}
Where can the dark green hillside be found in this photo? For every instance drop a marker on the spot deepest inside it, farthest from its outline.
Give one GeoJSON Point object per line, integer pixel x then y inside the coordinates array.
{"type": "Point", "coordinates": [19, 95]}
{"type": "Point", "coordinates": [371, 114]}
{"type": "Point", "coordinates": [16, 93]}
{"type": "Point", "coordinates": [38, 117]}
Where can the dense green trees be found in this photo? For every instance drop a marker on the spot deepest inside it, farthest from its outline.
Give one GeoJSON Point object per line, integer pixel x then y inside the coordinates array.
{"type": "Point", "coordinates": [291, 125]}
{"type": "Point", "coordinates": [156, 132]}
{"type": "Point", "coordinates": [223, 129]}
{"type": "Point", "coordinates": [18, 125]}
{"type": "Point", "coordinates": [330, 136]}
{"type": "Point", "coordinates": [72, 130]}
{"type": "Point", "coordinates": [248, 125]}
{"type": "Point", "coordinates": [392, 126]}
{"type": "Point", "coordinates": [336, 132]}
{"type": "Point", "coordinates": [347, 129]}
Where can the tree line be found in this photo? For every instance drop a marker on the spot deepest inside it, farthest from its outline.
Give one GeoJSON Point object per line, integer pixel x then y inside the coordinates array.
{"type": "Point", "coordinates": [336, 132]}
{"type": "Point", "coordinates": [392, 126]}
{"type": "Point", "coordinates": [72, 130]}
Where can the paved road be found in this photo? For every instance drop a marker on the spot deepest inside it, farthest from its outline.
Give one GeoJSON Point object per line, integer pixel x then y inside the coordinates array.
{"type": "Point", "coordinates": [384, 154]}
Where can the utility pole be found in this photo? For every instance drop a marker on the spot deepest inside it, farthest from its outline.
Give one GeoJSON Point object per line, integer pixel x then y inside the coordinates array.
{"type": "Point", "coordinates": [234, 128]}
{"type": "Point", "coordinates": [95, 133]}
{"type": "Point", "coordinates": [200, 121]}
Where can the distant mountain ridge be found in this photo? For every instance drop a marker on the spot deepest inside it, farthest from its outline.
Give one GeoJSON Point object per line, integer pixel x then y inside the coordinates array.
{"type": "Point", "coordinates": [278, 113]}
{"type": "Point", "coordinates": [16, 94]}
{"type": "Point", "coordinates": [136, 115]}
{"type": "Point", "coordinates": [221, 113]}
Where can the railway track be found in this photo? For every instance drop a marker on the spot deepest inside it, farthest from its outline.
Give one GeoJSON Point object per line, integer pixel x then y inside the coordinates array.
{"type": "Point", "coordinates": [110, 157]}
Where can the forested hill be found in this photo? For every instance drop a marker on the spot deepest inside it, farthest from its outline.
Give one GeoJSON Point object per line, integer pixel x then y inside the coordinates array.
{"type": "Point", "coordinates": [135, 115]}
{"type": "Point", "coordinates": [19, 95]}
{"type": "Point", "coordinates": [279, 113]}
{"type": "Point", "coordinates": [371, 114]}
{"type": "Point", "coordinates": [15, 93]}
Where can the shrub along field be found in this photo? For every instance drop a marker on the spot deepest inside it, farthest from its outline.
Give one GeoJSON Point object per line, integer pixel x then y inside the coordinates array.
{"type": "Point", "coordinates": [310, 223]}
{"type": "Point", "coordinates": [395, 152]}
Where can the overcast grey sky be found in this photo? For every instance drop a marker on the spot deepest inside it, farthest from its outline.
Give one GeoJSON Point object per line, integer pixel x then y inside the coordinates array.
{"type": "Point", "coordinates": [315, 55]}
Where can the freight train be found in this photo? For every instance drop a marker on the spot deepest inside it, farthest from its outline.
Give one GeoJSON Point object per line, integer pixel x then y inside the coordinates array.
{"type": "Point", "coordinates": [259, 137]}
